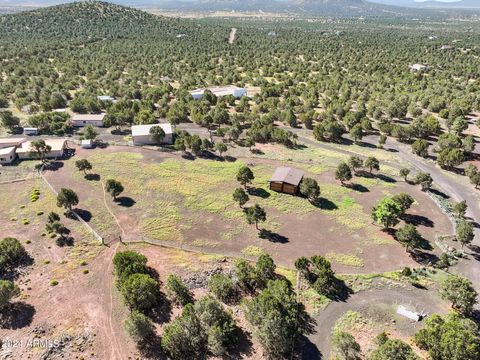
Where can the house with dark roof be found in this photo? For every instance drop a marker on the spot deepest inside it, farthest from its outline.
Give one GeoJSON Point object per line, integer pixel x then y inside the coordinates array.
{"type": "Point", "coordinates": [286, 180]}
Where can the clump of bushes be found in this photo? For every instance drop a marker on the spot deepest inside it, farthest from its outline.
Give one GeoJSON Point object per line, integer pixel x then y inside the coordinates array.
{"type": "Point", "coordinates": [53, 282]}
{"type": "Point", "coordinates": [35, 195]}
{"type": "Point", "coordinates": [25, 221]}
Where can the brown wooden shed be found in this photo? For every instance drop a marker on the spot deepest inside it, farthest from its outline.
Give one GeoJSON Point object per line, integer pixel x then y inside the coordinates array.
{"type": "Point", "coordinates": [286, 180]}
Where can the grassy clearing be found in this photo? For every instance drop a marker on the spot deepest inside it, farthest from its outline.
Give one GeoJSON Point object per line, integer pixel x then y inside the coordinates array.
{"type": "Point", "coordinates": [360, 282]}
{"type": "Point", "coordinates": [345, 259]}
{"type": "Point", "coordinates": [254, 251]}
{"type": "Point", "coordinates": [353, 321]}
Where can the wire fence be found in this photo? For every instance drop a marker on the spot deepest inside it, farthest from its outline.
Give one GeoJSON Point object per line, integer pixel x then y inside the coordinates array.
{"type": "Point", "coordinates": [11, 174]}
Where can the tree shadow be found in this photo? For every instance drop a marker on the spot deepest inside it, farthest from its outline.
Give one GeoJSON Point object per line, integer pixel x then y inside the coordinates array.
{"type": "Point", "coordinates": [230, 158]}
{"type": "Point", "coordinates": [385, 178]}
{"type": "Point", "coordinates": [298, 146]}
{"type": "Point", "coordinates": [273, 236]}
{"type": "Point", "coordinates": [438, 193]}
{"type": "Point", "coordinates": [120, 132]}
{"type": "Point", "coordinates": [92, 177]}
{"type": "Point", "coordinates": [366, 145]}
{"type": "Point", "coordinates": [151, 348]}
{"type": "Point", "coordinates": [18, 315]}
{"type": "Point", "coordinates": [357, 187]}
{"type": "Point", "coordinates": [243, 345]}
{"type": "Point", "coordinates": [84, 214]}
{"type": "Point", "coordinates": [424, 258]}
{"type": "Point", "coordinates": [101, 144]}
{"type": "Point", "coordinates": [339, 291]}
{"type": "Point", "coordinates": [257, 151]}
{"type": "Point", "coordinates": [188, 156]}
{"type": "Point", "coordinates": [475, 251]}
{"type": "Point", "coordinates": [309, 351]}
{"type": "Point", "coordinates": [324, 204]}
{"type": "Point", "coordinates": [125, 201]}
{"type": "Point", "coordinates": [65, 240]}
{"type": "Point", "coordinates": [418, 220]}
{"type": "Point", "coordinates": [162, 313]}
{"type": "Point", "coordinates": [305, 321]}
{"type": "Point", "coordinates": [392, 150]}
{"type": "Point", "coordinates": [12, 273]}
{"type": "Point", "coordinates": [53, 165]}
{"type": "Point", "coordinates": [260, 192]}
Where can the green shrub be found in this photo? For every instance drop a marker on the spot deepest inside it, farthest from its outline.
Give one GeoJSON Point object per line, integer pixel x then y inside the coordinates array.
{"type": "Point", "coordinates": [53, 282]}
{"type": "Point", "coordinates": [85, 271]}
{"type": "Point", "coordinates": [222, 287]}
{"type": "Point", "coordinates": [25, 221]}
{"type": "Point", "coordinates": [177, 290]}
{"type": "Point", "coordinates": [39, 213]}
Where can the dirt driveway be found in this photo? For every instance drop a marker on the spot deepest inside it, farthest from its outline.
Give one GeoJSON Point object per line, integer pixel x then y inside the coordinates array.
{"type": "Point", "coordinates": [374, 301]}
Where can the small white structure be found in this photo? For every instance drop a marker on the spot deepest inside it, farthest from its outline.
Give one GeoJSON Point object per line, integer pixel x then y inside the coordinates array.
{"type": "Point", "coordinates": [31, 131]}
{"type": "Point", "coordinates": [57, 149]}
{"type": "Point", "coordinates": [220, 91]}
{"type": "Point", "coordinates": [418, 67]}
{"type": "Point", "coordinates": [412, 315]}
{"type": "Point", "coordinates": [141, 134]}
{"type": "Point", "coordinates": [7, 155]}
{"type": "Point", "coordinates": [9, 142]}
{"type": "Point", "coordinates": [446, 47]}
{"type": "Point", "coordinates": [80, 120]}
{"type": "Point", "coordinates": [105, 98]}
{"type": "Point", "coordinates": [87, 144]}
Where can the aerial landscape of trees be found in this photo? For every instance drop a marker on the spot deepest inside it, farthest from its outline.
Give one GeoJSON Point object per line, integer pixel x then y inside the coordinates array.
{"type": "Point", "coordinates": [338, 99]}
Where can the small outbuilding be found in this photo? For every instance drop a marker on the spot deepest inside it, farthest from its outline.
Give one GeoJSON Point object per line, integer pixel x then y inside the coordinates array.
{"type": "Point", "coordinates": [286, 180]}
{"type": "Point", "coordinates": [106, 98]}
{"type": "Point", "coordinates": [141, 134]}
{"type": "Point", "coordinates": [80, 120]}
{"type": "Point", "coordinates": [87, 144]}
{"type": "Point", "coordinates": [30, 131]}
{"type": "Point", "coordinates": [57, 149]}
{"type": "Point", "coordinates": [412, 315]}
{"type": "Point", "coordinates": [7, 155]}
{"type": "Point", "coordinates": [220, 91]}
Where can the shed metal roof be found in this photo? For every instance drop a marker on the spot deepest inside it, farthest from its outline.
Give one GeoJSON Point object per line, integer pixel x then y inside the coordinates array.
{"type": "Point", "coordinates": [143, 130]}
{"type": "Point", "coordinates": [287, 175]}
{"type": "Point", "coordinates": [88, 117]}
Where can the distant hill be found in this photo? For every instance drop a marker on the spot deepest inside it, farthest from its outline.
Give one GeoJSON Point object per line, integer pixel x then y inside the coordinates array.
{"type": "Point", "coordinates": [331, 8]}
{"type": "Point", "coordinates": [432, 3]}
{"type": "Point", "coordinates": [343, 8]}
{"type": "Point", "coordinates": [313, 7]}
{"type": "Point", "coordinates": [88, 21]}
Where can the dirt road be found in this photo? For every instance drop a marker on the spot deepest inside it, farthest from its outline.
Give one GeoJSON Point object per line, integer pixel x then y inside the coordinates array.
{"type": "Point", "coordinates": [370, 301]}
{"type": "Point", "coordinates": [457, 187]}
{"type": "Point", "coordinates": [233, 33]}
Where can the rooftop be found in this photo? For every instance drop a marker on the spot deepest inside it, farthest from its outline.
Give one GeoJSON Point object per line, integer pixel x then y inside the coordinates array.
{"type": "Point", "coordinates": [287, 175]}
{"type": "Point", "coordinates": [142, 130]}
{"type": "Point", "coordinates": [217, 89]}
{"type": "Point", "coordinates": [7, 150]}
{"type": "Point", "coordinates": [11, 141]}
{"type": "Point", "coordinates": [55, 144]}
{"type": "Point", "coordinates": [88, 117]}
